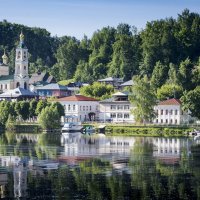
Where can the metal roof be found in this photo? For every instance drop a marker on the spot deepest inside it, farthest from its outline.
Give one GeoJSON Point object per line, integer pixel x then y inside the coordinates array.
{"type": "Point", "coordinates": [17, 92]}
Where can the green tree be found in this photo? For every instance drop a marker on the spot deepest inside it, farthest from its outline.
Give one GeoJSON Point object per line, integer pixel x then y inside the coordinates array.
{"type": "Point", "coordinates": [97, 90]}
{"type": "Point", "coordinates": [67, 59]}
{"type": "Point", "coordinates": [49, 118]}
{"type": "Point", "coordinates": [5, 109]}
{"type": "Point", "coordinates": [159, 75]}
{"type": "Point", "coordinates": [143, 99]}
{"type": "Point", "coordinates": [191, 101]}
{"type": "Point", "coordinates": [40, 105]}
{"type": "Point", "coordinates": [185, 74]}
{"type": "Point", "coordinates": [22, 109]}
{"type": "Point", "coordinates": [169, 91]}
{"type": "Point", "coordinates": [59, 107]}
{"type": "Point", "coordinates": [32, 108]}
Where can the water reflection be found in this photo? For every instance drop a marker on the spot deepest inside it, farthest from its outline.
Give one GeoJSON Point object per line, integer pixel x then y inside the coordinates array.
{"type": "Point", "coordinates": [75, 166]}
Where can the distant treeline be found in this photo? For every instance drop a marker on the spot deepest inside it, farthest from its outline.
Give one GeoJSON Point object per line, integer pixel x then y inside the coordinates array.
{"type": "Point", "coordinates": [167, 50]}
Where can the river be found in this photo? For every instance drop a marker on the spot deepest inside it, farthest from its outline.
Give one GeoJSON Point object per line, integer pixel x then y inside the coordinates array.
{"type": "Point", "coordinates": [76, 166]}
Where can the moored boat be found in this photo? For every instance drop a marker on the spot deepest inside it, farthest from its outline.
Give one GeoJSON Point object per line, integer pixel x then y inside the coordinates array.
{"type": "Point", "coordinates": [72, 127]}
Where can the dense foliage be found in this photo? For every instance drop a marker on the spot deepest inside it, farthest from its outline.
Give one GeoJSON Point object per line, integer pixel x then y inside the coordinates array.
{"type": "Point", "coordinates": [166, 50]}
{"type": "Point", "coordinates": [120, 52]}
{"type": "Point", "coordinates": [97, 90]}
{"type": "Point", "coordinates": [22, 111]}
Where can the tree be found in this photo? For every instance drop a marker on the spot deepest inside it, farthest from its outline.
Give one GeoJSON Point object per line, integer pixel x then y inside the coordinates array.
{"type": "Point", "coordinates": [159, 75]}
{"type": "Point", "coordinates": [169, 91]}
{"type": "Point", "coordinates": [59, 107]}
{"type": "Point", "coordinates": [185, 74]}
{"type": "Point", "coordinates": [49, 118]}
{"type": "Point", "coordinates": [190, 101]}
{"type": "Point", "coordinates": [67, 56]}
{"type": "Point", "coordinates": [22, 109]}
{"type": "Point", "coordinates": [143, 99]}
{"type": "Point", "coordinates": [4, 112]}
{"type": "Point", "coordinates": [97, 90]}
{"type": "Point", "coordinates": [32, 108]}
{"type": "Point", "coordinates": [40, 105]}
{"type": "Point", "coordinates": [125, 59]}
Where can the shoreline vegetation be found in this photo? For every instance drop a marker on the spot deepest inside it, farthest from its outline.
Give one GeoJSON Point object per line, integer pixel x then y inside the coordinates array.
{"type": "Point", "coordinates": [114, 130]}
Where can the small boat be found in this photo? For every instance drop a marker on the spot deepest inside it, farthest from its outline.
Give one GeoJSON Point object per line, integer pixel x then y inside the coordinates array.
{"type": "Point", "coordinates": [194, 133]}
{"type": "Point", "coordinates": [72, 127]}
{"type": "Point", "coordinates": [88, 129]}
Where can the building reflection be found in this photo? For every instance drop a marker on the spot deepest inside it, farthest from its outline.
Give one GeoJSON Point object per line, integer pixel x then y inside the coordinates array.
{"type": "Point", "coordinates": [77, 147]}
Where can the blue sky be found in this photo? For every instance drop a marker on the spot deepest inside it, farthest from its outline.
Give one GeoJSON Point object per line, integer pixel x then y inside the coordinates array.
{"type": "Point", "coordinates": [79, 17]}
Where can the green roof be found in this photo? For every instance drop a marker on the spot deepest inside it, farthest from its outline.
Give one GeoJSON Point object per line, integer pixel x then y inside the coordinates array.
{"type": "Point", "coordinates": [6, 78]}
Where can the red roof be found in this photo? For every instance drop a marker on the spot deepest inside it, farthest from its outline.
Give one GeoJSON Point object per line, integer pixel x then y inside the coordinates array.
{"type": "Point", "coordinates": [77, 98]}
{"type": "Point", "coordinates": [170, 102]}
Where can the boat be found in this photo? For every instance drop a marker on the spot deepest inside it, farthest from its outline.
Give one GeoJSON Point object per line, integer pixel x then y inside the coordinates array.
{"type": "Point", "coordinates": [72, 127]}
{"type": "Point", "coordinates": [88, 129]}
{"type": "Point", "coordinates": [194, 133]}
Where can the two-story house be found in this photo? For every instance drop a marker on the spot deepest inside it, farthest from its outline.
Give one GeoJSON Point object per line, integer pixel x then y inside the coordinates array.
{"type": "Point", "coordinates": [116, 109]}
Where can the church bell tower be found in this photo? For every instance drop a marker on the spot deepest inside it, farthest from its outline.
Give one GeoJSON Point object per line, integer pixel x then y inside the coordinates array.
{"type": "Point", "coordinates": [21, 78]}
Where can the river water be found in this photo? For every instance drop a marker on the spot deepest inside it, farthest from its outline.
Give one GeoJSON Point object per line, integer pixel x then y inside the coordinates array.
{"type": "Point", "coordinates": [76, 166]}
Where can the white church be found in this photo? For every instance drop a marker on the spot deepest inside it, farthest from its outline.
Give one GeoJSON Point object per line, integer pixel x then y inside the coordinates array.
{"type": "Point", "coordinates": [20, 77]}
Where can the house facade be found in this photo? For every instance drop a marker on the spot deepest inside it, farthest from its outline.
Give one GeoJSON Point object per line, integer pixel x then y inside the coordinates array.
{"type": "Point", "coordinates": [82, 107]}
{"type": "Point", "coordinates": [52, 90]}
{"type": "Point", "coordinates": [116, 109]}
{"type": "Point", "coordinates": [170, 112]}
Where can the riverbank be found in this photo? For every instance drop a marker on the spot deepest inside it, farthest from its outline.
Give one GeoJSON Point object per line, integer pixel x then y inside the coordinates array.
{"type": "Point", "coordinates": [119, 130]}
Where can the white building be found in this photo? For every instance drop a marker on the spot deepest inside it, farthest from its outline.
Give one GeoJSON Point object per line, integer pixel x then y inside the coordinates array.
{"type": "Point", "coordinates": [20, 77]}
{"type": "Point", "coordinates": [84, 108]}
{"type": "Point", "coordinates": [116, 109]}
{"type": "Point", "coordinates": [170, 112]}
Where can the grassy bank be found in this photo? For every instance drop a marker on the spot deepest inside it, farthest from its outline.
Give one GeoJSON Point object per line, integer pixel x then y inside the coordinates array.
{"type": "Point", "coordinates": [147, 131]}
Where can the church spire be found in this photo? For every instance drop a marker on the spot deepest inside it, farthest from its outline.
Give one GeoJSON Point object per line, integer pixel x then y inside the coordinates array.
{"type": "Point", "coordinates": [5, 58]}
{"type": "Point", "coordinates": [21, 37]}
{"type": "Point", "coordinates": [21, 43]}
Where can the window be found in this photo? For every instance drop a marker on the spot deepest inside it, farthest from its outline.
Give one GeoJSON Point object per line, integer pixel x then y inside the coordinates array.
{"type": "Point", "coordinates": [156, 120]}
{"type": "Point", "coordinates": [176, 112]}
{"type": "Point", "coordinates": [126, 116]}
{"type": "Point", "coordinates": [119, 115]}
{"type": "Point", "coordinates": [83, 108]}
{"type": "Point", "coordinates": [119, 107]}
{"type": "Point", "coordinates": [90, 108]}
{"type": "Point", "coordinates": [171, 121]}
{"type": "Point", "coordinates": [1, 87]}
{"type": "Point", "coordinates": [166, 112]}
{"type": "Point", "coordinates": [166, 121]}
{"type": "Point", "coordinates": [161, 121]}
{"type": "Point", "coordinates": [126, 107]}
{"type": "Point", "coordinates": [19, 54]}
{"type": "Point", "coordinates": [113, 115]}
{"type": "Point", "coordinates": [80, 108]}
{"type": "Point", "coordinates": [171, 112]}
{"type": "Point", "coordinates": [24, 67]}
{"type": "Point", "coordinates": [69, 107]}
{"type": "Point", "coordinates": [74, 107]}
{"type": "Point", "coordinates": [113, 107]}
{"type": "Point", "coordinates": [156, 112]}
{"type": "Point", "coordinates": [161, 112]}
{"type": "Point", "coordinates": [97, 108]}
{"type": "Point", "coordinates": [87, 108]}
{"type": "Point", "coordinates": [176, 121]}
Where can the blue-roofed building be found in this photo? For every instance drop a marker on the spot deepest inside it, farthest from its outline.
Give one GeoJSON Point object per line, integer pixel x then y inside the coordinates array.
{"type": "Point", "coordinates": [18, 94]}
{"type": "Point", "coordinates": [52, 90]}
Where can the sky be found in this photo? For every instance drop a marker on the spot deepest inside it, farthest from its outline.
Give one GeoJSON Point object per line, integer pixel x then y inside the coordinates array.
{"type": "Point", "coordinates": [83, 17]}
